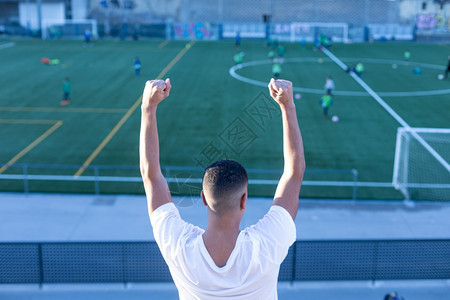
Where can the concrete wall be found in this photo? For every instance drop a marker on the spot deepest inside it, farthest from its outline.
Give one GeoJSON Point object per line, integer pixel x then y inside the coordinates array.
{"type": "Point", "coordinates": [79, 9]}
{"type": "Point", "coordinates": [28, 13]}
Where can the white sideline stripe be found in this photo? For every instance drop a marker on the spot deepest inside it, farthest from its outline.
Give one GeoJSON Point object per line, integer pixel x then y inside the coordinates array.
{"type": "Point", "coordinates": [7, 45]}
{"type": "Point", "coordinates": [392, 61]}
{"type": "Point", "coordinates": [428, 130]}
{"type": "Point", "coordinates": [414, 94]}
{"type": "Point", "coordinates": [428, 185]}
{"type": "Point", "coordinates": [185, 180]}
{"type": "Point", "coordinates": [388, 109]}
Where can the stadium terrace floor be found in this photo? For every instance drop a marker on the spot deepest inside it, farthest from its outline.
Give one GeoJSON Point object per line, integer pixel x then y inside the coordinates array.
{"type": "Point", "coordinates": [69, 217]}
{"type": "Point", "coordinates": [324, 290]}
{"type": "Point", "coordinates": [57, 217]}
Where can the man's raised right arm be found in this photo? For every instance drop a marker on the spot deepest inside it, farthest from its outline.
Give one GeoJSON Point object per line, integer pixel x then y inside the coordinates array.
{"type": "Point", "coordinates": [288, 189]}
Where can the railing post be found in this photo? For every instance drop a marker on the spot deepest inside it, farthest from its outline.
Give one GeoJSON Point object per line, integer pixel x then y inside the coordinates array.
{"type": "Point", "coordinates": [96, 182]}
{"type": "Point", "coordinates": [41, 266]}
{"type": "Point", "coordinates": [26, 187]}
{"type": "Point", "coordinates": [355, 183]}
{"type": "Point", "coordinates": [375, 260]}
{"type": "Point", "coordinates": [167, 169]}
{"type": "Point", "coordinates": [294, 263]}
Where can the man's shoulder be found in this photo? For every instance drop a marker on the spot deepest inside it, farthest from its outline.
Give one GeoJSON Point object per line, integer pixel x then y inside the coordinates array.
{"type": "Point", "coordinates": [170, 230]}
{"type": "Point", "coordinates": [168, 215]}
{"type": "Point", "coordinates": [166, 206]}
{"type": "Point", "coordinates": [276, 217]}
{"type": "Point", "coordinates": [272, 235]}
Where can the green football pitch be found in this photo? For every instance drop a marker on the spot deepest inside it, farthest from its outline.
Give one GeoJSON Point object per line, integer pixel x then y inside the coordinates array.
{"type": "Point", "coordinates": [210, 114]}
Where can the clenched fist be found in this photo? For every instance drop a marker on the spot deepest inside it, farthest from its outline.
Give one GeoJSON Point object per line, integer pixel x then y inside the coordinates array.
{"type": "Point", "coordinates": [155, 91]}
{"type": "Point", "coordinates": [281, 91]}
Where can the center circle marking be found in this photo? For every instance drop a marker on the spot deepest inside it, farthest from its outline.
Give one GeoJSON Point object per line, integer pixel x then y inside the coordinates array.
{"type": "Point", "coordinates": [233, 69]}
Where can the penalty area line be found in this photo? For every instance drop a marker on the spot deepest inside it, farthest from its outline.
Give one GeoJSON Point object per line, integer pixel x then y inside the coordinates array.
{"type": "Point", "coordinates": [33, 144]}
{"type": "Point", "coordinates": [162, 44]}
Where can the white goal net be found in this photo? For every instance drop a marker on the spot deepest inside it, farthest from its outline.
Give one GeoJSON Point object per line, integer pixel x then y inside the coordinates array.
{"type": "Point", "coordinates": [421, 166]}
{"type": "Point", "coordinates": [336, 32]}
{"type": "Point", "coordinates": [68, 28]}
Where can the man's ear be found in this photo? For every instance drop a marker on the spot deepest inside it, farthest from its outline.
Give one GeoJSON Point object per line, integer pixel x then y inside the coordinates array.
{"type": "Point", "coordinates": [243, 203]}
{"type": "Point", "coordinates": [203, 198]}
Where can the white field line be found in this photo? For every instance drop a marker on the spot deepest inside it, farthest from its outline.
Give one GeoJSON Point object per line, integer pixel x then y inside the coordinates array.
{"type": "Point", "coordinates": [393, 61]}
{"type": "Point", "coordinates": [233, 69]}
{"type": "Point", "coordinates": [7, 45]}
{"type": "Point", "coordinates": [232, 72]}
{"type": "Point", "coordinates": [388, 109]}
{"type": "Point", "coordinates": [432, 130]}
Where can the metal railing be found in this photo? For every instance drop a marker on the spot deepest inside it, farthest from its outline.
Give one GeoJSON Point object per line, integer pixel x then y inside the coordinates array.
{"type": "Point", "coordinates": [174, 175]}
{"type": "Point", "coordinates": [86, 262]}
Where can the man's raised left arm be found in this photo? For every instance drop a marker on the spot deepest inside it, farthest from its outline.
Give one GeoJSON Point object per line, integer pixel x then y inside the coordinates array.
{"type": "Point", "coordinates": [156, 187]}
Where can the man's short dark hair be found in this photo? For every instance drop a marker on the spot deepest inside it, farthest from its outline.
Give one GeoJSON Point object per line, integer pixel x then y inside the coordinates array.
{"type": "Point", "coordinates": [222, 180]}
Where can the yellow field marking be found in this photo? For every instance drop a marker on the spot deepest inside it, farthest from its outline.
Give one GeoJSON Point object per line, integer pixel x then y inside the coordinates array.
{"type": "Point", "coordinates": [127, 115]}
{"type": "Point", "coordinates": [34, 143]}
{"type": "Point", "coordinates": [108, 137]}
{"type": "Point", "coordinates": [65, 109]}
{"type": "Point", "coordinates": [27, 121]}
{"type": "Point", "coordinates": [66, 65]}
{"type": "Point", "coordinates": [175, 60]}
{"type": "Point", "coordinates": [163, 44]}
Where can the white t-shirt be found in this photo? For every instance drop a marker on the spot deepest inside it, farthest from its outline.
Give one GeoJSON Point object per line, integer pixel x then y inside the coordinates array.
{"type": "Point", "coordinates": [329, 84]}
{"type": "Point", "coordinates": [251, 271]}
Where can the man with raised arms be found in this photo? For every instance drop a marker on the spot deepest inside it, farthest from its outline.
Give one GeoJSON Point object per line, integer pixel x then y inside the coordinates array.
{"type": "Point", "coordinates": [223, 260]}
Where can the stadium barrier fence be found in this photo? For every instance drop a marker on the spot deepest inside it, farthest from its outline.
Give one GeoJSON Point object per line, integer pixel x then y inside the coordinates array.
{"type": "Point", "coordinates": [122, 262]}
{"type": "Point", "coordinates": [396, 20]}
{"type": "Point", "coordinates": [182, 180]}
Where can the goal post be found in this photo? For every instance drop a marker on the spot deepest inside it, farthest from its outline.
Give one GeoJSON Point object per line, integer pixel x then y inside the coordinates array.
{"type": "Point", "coordinates": [308, 31]}
{"type": "Point", "coordinates": [68, 28]}
{"type": "Point", "coordinates": [421, 168]}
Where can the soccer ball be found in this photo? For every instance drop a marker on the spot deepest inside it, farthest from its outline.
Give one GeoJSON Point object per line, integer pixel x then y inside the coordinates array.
{"type": "Point", "coordinates": [335, 119]}
{"type": "Point", "coordinates": [440, 76]}
{"type": "Point", "coordinates": [320, 60]}
{"type": "Point", "coordinates": [298, 96]}
{"type": "Point", "coordinates": [394, 66]}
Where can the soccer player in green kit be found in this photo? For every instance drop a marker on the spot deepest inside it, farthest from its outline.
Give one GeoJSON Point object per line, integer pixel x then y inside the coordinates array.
{"type": "Point", "coordinates": [448, 69]}
{"type": "Point", "coordinates": [325, 102]}
{"type": "Point", "coordinates": [359, 69]}
{"type": "Point", "coordinates": [238, 58]}
{"type": "Point", "coordinates": [407, 56]}
{"type": "Point", "coordinates": [276, 70]}
{"type": "Point", "coordinates": [281, 50]}
{"type": "Point", "coordinates": [66, 87]}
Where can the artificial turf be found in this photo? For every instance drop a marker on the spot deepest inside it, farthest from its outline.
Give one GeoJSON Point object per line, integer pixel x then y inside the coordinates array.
{"type": "Point", "coordinates": [210, 115]}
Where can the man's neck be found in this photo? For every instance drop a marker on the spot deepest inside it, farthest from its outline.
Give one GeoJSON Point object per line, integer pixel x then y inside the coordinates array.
{"type": "Point", "coordinates": [220, 238]}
